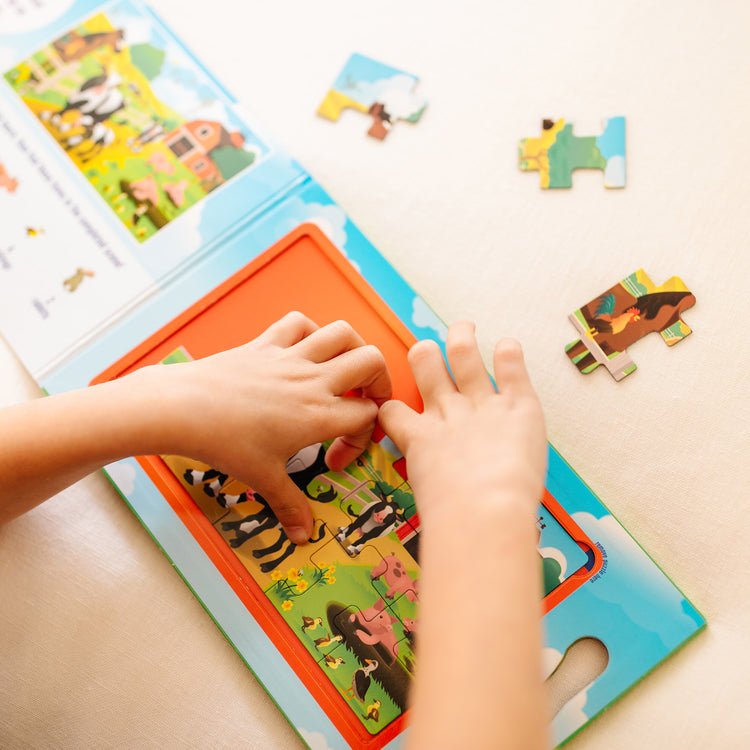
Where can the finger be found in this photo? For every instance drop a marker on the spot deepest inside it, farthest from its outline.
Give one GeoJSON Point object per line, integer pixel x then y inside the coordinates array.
{"type": "Point", "coordinates": [343, 451]}
{"type": "Point", "coordinates": [287, 331]}
{"type": "Point", "coordinates": [363, 369]}
{"type": "Point", "coordinates": [290, 506]}
{"type": "Point", "coordinates": [465, 361]}
{"type": "Point", "coordinates": [355, 417]}
{"type": "Point", "coordinates": [510, 371]}
{"type": "Point", "coordinates": [430, 372]}
{"type": "Point", "coordinates": [398, 422]}
{"type": "Point", "coordinates": [329, 341]}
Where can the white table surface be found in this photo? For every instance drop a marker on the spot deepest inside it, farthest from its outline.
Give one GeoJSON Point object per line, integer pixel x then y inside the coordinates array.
{"type": "Point", "coordinates": [102, 643]}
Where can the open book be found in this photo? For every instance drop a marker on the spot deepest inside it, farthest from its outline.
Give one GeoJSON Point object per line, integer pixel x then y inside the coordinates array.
{"type": "Point", "coordinates": [145, 218]}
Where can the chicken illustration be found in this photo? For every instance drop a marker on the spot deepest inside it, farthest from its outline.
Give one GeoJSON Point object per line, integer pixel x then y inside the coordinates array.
{"type": "Point", "coordinates": [373, 711]}
{"type": "Point", "coordinates": [333, 662]}
{"type": "Point", "coordinates": [328, 640]}
{"type": "Point", "coordinates": [603, 321]}
{"type": "Point", "coordinates": [646, 306]}
{"type": "Point", "coordinates": [310, 623]}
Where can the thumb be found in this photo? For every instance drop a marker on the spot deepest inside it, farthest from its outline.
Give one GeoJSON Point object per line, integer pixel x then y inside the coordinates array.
{"type": "Point", "coordinates": [290, 506]}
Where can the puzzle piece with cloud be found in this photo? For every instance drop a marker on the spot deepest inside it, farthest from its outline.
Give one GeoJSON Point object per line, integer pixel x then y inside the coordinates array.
{"type": "Point", "coordinates": [383, 92]}
{"type": "Point", "coordinates": [558, 152]}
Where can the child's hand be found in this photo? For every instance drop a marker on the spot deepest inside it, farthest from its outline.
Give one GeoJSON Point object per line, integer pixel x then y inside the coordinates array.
{"type": "Point", "coordinates": [473, 443]}
{"type": "Point", "coordinates": [248, 410]}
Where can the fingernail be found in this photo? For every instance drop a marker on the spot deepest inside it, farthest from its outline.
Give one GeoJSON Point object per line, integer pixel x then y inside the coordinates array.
{"type": "Point", "coordinates": [297, 534]}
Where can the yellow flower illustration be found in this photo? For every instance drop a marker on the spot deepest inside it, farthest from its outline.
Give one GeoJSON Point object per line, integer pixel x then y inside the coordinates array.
{"type": "Point", "coordinates": [276, 575]}
{"type": "Point", "coordinates": [332, 579]}
{"type": "Point", "coordinates": [301, 586]}
{"type": "Point", "coordinates": [287, 605]}
{"type": "Point", "coordinates": [294, 574]}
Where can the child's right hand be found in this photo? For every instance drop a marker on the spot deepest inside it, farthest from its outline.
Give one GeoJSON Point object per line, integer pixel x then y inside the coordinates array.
{"type": "Point", "coordinates": [473, 443]}
{"type": "Point", "coordinates": [245, 411]}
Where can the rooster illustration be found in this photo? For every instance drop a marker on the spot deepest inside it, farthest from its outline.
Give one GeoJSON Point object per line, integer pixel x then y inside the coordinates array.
{"type": "Point", "coordinates": [616, 319]}
{"type": "Point", "coordinates": [646, 306]}
{"type": "Point", "coordinates": [603, 322]}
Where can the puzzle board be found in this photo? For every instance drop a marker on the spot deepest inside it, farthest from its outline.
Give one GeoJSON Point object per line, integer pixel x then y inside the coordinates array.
{"type": "Point", "coordinates": [350, 597]}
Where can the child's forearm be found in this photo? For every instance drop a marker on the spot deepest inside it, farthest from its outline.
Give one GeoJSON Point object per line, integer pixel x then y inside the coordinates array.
{"type": "Point", "coordinates": [244, 411]}
{"type": "Point", "coordinates": [480, 595]}
{"type": "Point", "coordinates": [49, 443]}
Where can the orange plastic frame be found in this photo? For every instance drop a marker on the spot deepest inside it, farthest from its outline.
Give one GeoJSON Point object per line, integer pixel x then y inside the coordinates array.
{"type": "Point", "coordinates": [303, 271]}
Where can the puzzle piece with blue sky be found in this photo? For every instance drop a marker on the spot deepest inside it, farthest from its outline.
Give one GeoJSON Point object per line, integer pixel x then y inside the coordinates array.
{"type": "Point", "coordinates": [558, 152]}
{"type": "Point", "coordinates": [383, 92]}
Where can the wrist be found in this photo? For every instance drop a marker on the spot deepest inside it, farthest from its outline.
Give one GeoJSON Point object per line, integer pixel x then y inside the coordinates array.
{"type": "Point", "coordinates": [141, 414]}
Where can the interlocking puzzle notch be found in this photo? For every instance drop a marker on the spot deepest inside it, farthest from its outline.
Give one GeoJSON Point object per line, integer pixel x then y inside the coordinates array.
{"type": "Point", "coordinates": [623, 314]}
{"type": "Point", "coordinates": [558, 152]}
{"type": "Point", "coordinates": [383, 92]}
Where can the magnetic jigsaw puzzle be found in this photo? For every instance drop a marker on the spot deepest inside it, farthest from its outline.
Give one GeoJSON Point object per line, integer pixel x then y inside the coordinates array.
{"type": "Point", "coordinates": [350, 596]}
{"type": "Point", "coordinates": [558, 152]}
{"type": "Point", "coordinates": [623, 314]}
{"type": "Point", "coordinates": [384, 93]}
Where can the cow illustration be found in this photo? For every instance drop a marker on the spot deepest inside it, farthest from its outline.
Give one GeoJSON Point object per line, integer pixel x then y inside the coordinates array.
{"type": "Point", "coordinates": [264, 520]}
{"type": "Point", "coordinates": [376, 519]}
{"type": "Point", "coordinates": [96, 100]}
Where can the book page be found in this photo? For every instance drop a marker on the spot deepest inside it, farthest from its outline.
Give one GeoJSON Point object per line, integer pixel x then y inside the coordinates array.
{"type": "Point", "coordinates": [124, 161]}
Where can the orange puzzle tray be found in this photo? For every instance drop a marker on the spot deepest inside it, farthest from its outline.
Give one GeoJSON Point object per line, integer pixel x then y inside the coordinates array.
{"type": "Point", "coordinates": [304, 271]}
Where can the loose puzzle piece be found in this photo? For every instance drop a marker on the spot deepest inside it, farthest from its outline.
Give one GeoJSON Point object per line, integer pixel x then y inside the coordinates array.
{"type": "Point", "coordinates": [385, 93]}
{"type": "Point", "coordinates": [624, 314]}
{"type": "Point", "coordinates": [558, 152]}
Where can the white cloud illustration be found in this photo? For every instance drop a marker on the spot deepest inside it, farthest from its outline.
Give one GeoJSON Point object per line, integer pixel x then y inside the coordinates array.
{"type": "Point", "coordinates": [557, 555]}
{"type": "Point", "coordinates": [551, 659]}
{"type": "Point", "coordinates": [423, 317]}
{"type": "Point", "coordinates": [614, 173]}
{"type": "Point", "coordinates": [395, 93]}
{"type": "Point", "coordinates": [329, 218]}
{"type": "Point", "coordinates": [570, 717]}
{"type": "Point", "coordinates": [315, 740]}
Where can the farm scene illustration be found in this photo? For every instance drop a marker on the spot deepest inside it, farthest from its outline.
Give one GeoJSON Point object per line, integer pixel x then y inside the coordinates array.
{"type": "Point", "coordinates": [350, 596]}
{"type": "Point", "coordinates": [136, 116]}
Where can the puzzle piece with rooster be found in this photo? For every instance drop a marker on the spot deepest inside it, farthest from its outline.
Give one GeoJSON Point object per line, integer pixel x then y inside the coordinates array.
{"type": "Point", "coordinates": [622, 315]}
{"type": "Point", "coordinates": [369, 86]}
{"type": "Point", "coordinates": [558, 152]}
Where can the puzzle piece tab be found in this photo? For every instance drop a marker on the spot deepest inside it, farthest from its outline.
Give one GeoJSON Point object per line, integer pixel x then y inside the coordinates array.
{"type": "Point", "coordinates": [624, 314]}
{"type": "Point", "coordinates": [558, 152]}
{"type": "Point", "coordinates": [385, 93]}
